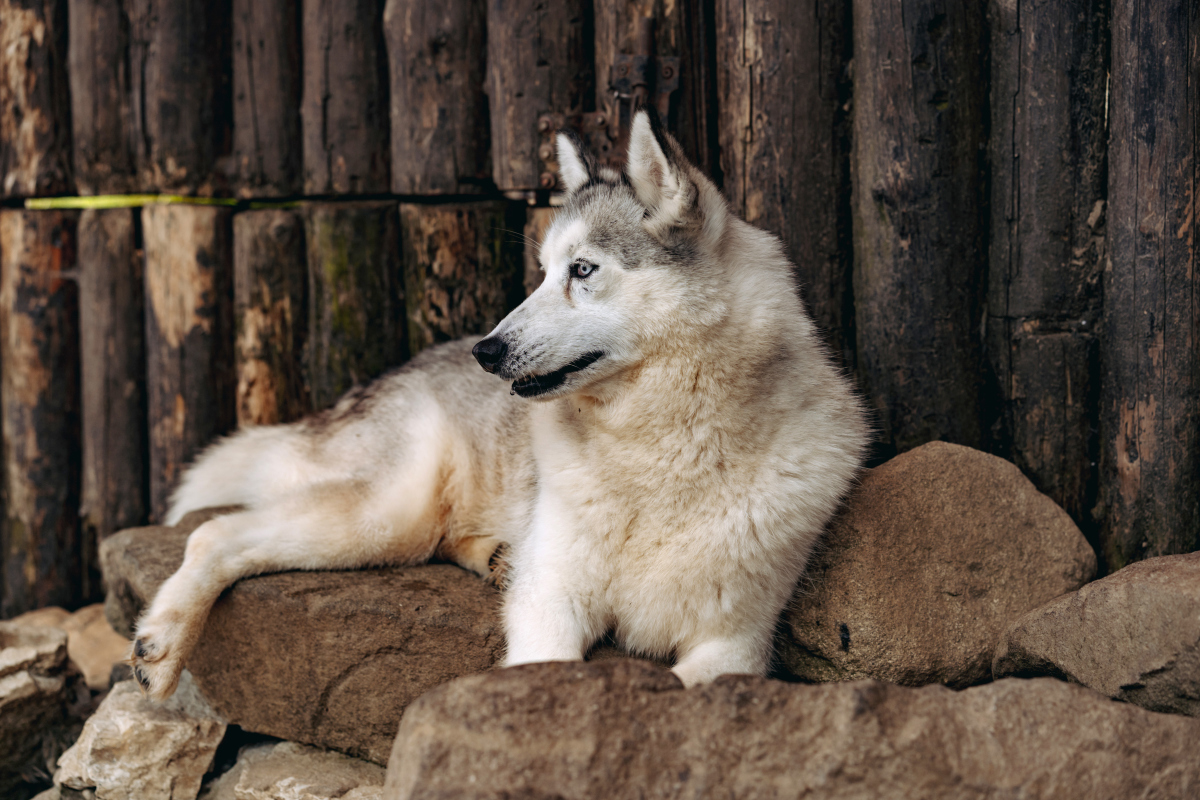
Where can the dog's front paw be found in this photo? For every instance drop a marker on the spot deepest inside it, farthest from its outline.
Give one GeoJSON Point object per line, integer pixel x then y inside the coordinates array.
{"type": "Point", "coordinates": [498, 567]}
{"type": "Point", "coordinates": [157, 657]}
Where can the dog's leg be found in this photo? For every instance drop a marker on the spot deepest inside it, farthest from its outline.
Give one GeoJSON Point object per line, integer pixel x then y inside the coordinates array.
{"type": "Point", "coordinates": [708, 659]}
{"type": "Point", "coordinates": [331, 526]}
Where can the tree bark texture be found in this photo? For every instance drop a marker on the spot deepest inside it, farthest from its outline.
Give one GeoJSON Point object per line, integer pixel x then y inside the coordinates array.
{"type": "Point", "coordinates": [682, 30]}
{"type": "Point", "coordinates": [101, 114]}
{"type": "Point", "coordinates": [917, 184]}
{"type": "Point", "coordinates": [539, 62]}
{"type": "Point", "coordinates": [1048, 147]}
{"type": "Point", "coordinates": [270, 291]}
{"type": "Point", "coordinates": [463, 270]}
{"type": "Point", "coordinates": [189, 338]}
{"type": "Point", "coordinates": [781, 88]}
{"type": "Point", "coordinates": [1150, 348]}
{"type": "Point", "coordinates": [112, 341]}
{"type": "Point", "coordinates": [438, 57]}
{"type": "Point", "coordinates": [344, 111]}
{"type": "Point", "coordinates": [537, 222]}
{"type": "Point", "coordinates": [180, 63]}
{"type": "Point", "coordinates": [35, 101]}
{"type": "Point", "coordinates": [356, 325]}
{"type": "Point", "coordinates": [39, 398]}
{"type": "Point", "coordinates": [266, 98]}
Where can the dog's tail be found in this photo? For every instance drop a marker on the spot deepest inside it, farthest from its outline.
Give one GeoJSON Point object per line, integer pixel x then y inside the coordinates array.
{"type": "Point", "coordinates": [233, 471]}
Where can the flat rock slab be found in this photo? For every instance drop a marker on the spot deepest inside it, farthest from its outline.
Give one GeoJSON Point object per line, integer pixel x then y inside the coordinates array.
{"type": "Point", "coordinates": [325, 658]}
{"type": "Point", "coordinates": [1134, 636]}
{"type": "Point", "coordinates": [937, 552]}
{"type": "Point", "coordinates": [624, 728]}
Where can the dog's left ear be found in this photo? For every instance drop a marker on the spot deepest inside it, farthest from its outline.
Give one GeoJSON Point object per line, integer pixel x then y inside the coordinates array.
{"type": "Point", "coordinates": [657, 171]}
{"type": "Point", "coordinates": [576, 166]}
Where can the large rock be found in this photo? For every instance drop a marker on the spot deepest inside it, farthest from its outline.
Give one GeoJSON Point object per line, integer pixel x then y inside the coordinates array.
{"type": "Point", "coordinates": [622, 728]}
{"type": "Point", "coordinates": [937, 552]}
{"type": "Point", "coordinates": [92, 644]}
{"type": "Point", "coordinates": [1134, 635]}
{"type": "Point", "coordinates": [40, 696]}
{"type": "Point", "coordinates": [325, 658]}
{"type": "Point", "coordinates": [135, 749]}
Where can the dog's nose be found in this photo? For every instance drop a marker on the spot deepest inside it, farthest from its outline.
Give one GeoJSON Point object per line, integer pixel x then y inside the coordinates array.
{"type": "Point", "coordinates": [488, 352]}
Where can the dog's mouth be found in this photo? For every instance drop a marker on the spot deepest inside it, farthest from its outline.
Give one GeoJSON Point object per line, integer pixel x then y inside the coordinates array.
{"type": "Point", "coordinates": [534, 385]}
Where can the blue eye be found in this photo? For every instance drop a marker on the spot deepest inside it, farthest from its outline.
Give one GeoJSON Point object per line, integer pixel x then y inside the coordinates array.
{"type": "Point", "coordinates": [581, 269]}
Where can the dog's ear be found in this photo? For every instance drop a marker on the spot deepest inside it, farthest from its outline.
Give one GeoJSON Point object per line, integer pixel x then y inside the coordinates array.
{"type": "Point", "coordinates": [576, 166]}
{"type": "Point", "coordinates": [657, 170]}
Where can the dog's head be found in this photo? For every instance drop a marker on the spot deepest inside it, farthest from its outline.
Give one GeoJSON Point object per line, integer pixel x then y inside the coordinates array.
{"type": "Point", "coordinates": [629, 262]}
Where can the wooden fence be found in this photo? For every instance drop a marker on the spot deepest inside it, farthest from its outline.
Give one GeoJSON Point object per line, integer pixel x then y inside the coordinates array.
{"type": "Point", "coordinates": [990, 209]}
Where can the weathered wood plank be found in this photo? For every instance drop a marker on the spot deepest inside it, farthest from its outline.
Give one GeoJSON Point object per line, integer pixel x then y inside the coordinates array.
{"type": "Point", "coordinates": [101, 114]}
{"type": "Point", "coordinates": [437, 55]}
{"type": "Point", "coordinates": [1150, 347]}
{"type": "Point", "coordinates": [917, 208]}
{"type": "Point", "coordinates": [781, 127]}
{"type": "Point", "coordinates": [39, 398]}
{"type": "Point", "coordinates": [112, 340]}
{"type": "Point", "coordinates": [356, 327]}
{"type": "Point", "coordinates": [463, 270]}
{"type": "Point", "coordinates": [270, 291]}
{"type": "Point", "coordinates": [539, 62]}
{"type": "Point", "coordinates": [189, 338]}
{"type": "Point", "coordinates": [681, 30]}
{"type": "Point", "coordinates": [35, 101]}
{"type": "Point", "coordinates": [180, 68]}
{"type": "Point", "coordinates": [344, 110]}
{"type": "Point", "coordinates": [1047, 147]}
{"type": "Point", "coordinates": [266, 98]}
{"type": "Point", "coordinates": [537, 222]}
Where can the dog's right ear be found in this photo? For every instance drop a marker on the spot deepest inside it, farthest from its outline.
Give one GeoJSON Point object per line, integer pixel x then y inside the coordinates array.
{"type": "Point", "coordinates": [576, 166]}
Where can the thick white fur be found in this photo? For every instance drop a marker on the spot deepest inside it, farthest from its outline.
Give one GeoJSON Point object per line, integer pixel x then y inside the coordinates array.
{"type": "Point", "coordinates": [671, 492]}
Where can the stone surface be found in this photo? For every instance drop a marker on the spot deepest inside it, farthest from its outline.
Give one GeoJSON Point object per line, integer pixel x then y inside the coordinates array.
{"type": "Point", "coordinates": [291, 771]}
{"type": "Point", "coordinates": [1134, 636]}
{"type": "Point", "coordinates": [622, 728]}
{"type": "Point", "coordinates": [135, 749]}
{"type": "Point", "coordinates": [39, 702]}
{"type": "Point", "coordinates": [938, 551]}
{"type": "Point", "coordinates": [92, 644]}
{"type": "Point", "coordinates": [324, 658]}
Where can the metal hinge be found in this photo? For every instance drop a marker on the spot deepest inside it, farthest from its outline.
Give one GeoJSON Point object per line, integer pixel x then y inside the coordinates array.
{"type": "Point", "coordinates": [636, 79]}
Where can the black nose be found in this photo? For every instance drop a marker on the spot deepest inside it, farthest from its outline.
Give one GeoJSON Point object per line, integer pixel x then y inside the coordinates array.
{"type": "Point", "coordinates": [488, 352]}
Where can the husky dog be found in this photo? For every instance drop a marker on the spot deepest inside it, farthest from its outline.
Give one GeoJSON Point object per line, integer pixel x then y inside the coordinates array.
{"type": "Point", "coordinates": [674, 441]}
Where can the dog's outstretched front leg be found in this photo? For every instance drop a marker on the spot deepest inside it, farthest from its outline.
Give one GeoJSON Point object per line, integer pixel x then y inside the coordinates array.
{"type": "Point", "coordinates": [326, 528]}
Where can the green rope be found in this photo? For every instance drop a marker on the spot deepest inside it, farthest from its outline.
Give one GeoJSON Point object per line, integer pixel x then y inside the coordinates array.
{"type": "Point", "coordinates": [139, 200]}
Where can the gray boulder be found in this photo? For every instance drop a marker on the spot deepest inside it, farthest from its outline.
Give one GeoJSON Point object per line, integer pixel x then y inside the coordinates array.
{"type": "Point", "coordinates": [937, 552]}
{"type": "Point", "coordinates": [1134, 636]}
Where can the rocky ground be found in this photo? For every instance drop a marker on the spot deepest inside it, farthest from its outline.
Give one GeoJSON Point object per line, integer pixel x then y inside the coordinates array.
{"type": "Point", "coordinates": [946, 642]}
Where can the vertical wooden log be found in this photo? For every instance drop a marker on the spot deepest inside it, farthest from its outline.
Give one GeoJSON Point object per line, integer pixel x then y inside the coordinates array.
{"type": "Point", "coordinates": [1150, 350]}
{"type": "Point", "coordinates": [437, 55]}
{"type": "Point", "coordinates": [35, 102]}
{"type": "Point", "coordinates": [183, 120]}
{"type": "Point", "coordinates": [189, 338]}
{"type": "Point", "coordinates": [270, 289]}
{"type": "Point", "coordinates": [537, 222]}
{"type": "Point", "coordinates": [39, 398]}
{"type": "Point", "coordinates": [344, 112]}
{"type": "Point", "coordinates": [917, 183]}
{"type": "Point", "coordinates": [101, 114]}
{"type": "Point", "coordinates": [682, 30]}
{"type": "Point", "coordinates": [1048, 145]}
{"type": "Point", "coordinates": [266, 97]}
{"type": "Point", "coordinates": [781, 88]}
{"type": "Point", "coordinates": [539, 62]}
{"type": "Point", "coordinates": [356, 325]}
{"type": "Point", "coordinates": [112, 345]}
{"type": "Point", "coordinates": [463, 270]}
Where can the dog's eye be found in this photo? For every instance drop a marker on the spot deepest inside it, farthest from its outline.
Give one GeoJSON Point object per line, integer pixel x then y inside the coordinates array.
{"type": "Point", "coordinates": [581, 269]}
